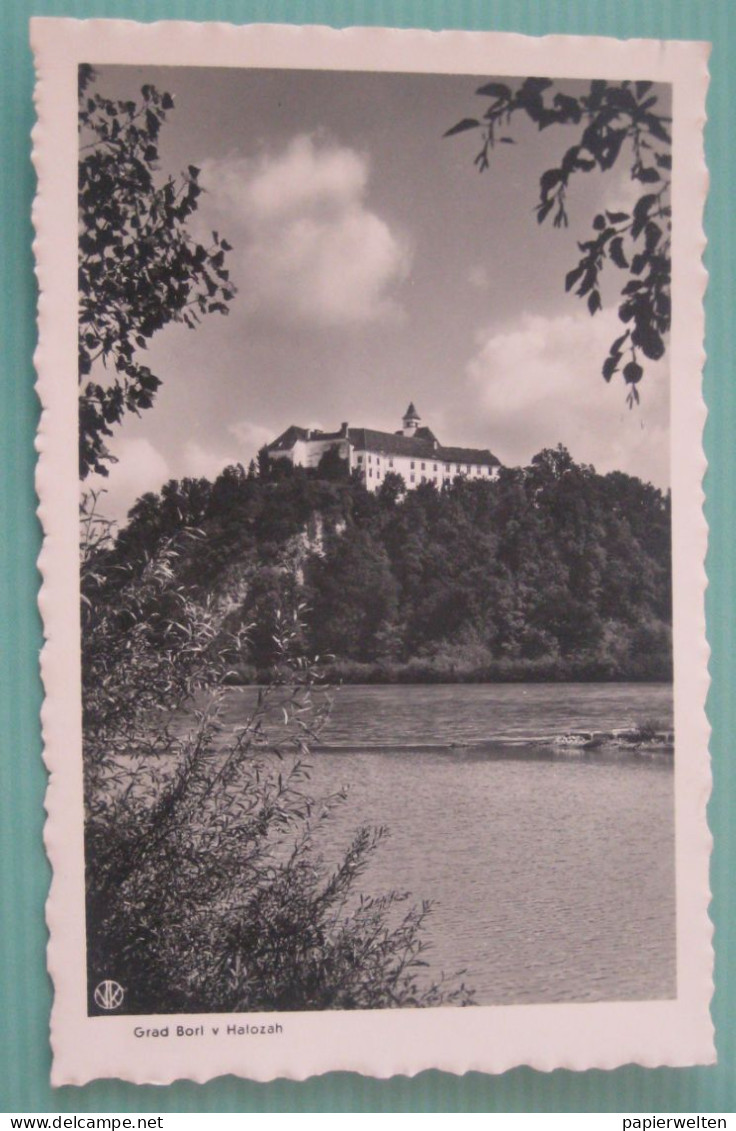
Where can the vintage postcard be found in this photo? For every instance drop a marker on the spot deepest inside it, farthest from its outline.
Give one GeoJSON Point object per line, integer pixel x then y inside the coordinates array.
{"type": "Point", "coordinates": [373, 575]}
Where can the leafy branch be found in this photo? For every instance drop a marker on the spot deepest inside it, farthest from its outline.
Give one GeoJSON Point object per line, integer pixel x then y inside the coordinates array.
{"type": "Point", "coordinates": [139, 268]}
{"type": "Point", "coordinates": [613, 118]}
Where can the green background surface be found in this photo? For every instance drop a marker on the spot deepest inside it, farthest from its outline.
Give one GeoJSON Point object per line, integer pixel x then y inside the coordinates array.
{"type": "Point", "coordinates": [25, 992]}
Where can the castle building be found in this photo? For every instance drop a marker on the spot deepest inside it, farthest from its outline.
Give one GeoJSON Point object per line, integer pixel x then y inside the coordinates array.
{"type": "Point", "coordinates": [413, 452]}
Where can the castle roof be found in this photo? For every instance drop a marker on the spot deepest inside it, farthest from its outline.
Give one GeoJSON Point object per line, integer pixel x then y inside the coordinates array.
{"type": "Point", "coordinates": [390, 443]}
{"type": "Point", "coordinates": [285, 442]}
{"type": "Point", "coordinates": [287, 439]}
{"type": "Point", "coordinates": [425, 433]}
{"type": "Point", "coordinates": [411, 413]}
{"type": "Point", "coordinates": [422, 445]}
{"type": "Point", "coordinates": [468, 455]}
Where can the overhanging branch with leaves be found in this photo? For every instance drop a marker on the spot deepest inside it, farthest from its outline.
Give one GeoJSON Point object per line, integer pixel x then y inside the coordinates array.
{"type": "Point", "coordinates": [139, 267]}
{"type": "Point", "coordinates": [613, 119]}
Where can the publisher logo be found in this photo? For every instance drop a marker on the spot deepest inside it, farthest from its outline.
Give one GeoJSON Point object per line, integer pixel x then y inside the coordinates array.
{"type": "Point", "coordinates": [109, 994]}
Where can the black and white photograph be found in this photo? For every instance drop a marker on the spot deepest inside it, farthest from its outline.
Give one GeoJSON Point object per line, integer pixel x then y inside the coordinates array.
{"type": "Point", "coordinates": [376, 459]}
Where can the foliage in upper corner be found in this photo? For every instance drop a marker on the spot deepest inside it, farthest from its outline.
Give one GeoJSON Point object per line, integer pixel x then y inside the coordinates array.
{"type": "Point", "coordinates": [139, 268]}
{"type": "Point", "coordinates": [613, 118]}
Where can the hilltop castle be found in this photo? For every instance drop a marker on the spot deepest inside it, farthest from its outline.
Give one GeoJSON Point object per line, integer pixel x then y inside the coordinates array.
{"type": "Point", "coordinates": [413, 452]}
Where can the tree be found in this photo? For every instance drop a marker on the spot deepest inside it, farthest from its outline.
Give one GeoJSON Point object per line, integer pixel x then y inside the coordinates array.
{"type": "Point", "coordinates": [332, 465]}
{"type": "Point", "coordinates": [139, 268]}
{"type": "Point", "coordinates": [264, 462]}
{"type": "Point", "coordinates": [392, 489]}
{"type": "Point", "coordinates": [353, 595]}
{"type": "Point", "coordinates": [613, 118]}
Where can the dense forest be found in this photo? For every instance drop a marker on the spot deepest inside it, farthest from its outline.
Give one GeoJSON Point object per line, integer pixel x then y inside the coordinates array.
{"type": "Point", "coordinates": [552, 571]}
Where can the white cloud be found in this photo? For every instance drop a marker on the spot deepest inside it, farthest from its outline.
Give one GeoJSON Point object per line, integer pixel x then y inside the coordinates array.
{"type": "Point", "coordinates": [308, 246]}
{"type": "Point", "coordinates": [196, 462]}
{"type": "Point", "coordinates": [302, 178]}
{"type": "Point", "coordinates": [479, 278]}
{"type": "Point", "coordinates": [539, 383]}
{"type": "Point", "coordinates": [250, 437]}
{"type": "Point", "coordinates": [140, 468]}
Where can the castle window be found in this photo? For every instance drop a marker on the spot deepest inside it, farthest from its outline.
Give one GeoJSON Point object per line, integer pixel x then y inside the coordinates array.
{"type": "Point", "coordinates": [424, 477]}
{"type": "Point", "coordinates": [423, 468]}
{"type": "Point", "coordinates": [434, 467]}
{"type": "Point", "coordinates": [412, 467]}
{"type": "Point", "coordinates": [370, 472]}
{"type": "Point", "coordinates": [370, 459]}
{"type": "Point", "coordinates": [390, 463]}
{"type": "Point", "coordinates": [412, 478]}
{"type": "Point", "coordinates": [378, 475]}
{"type": "Point", "coordinates": [467, 465]}
{"type": "Point", "coordinates": [360, 459]}
{"type": "Point", "coordinates": [378, 459]}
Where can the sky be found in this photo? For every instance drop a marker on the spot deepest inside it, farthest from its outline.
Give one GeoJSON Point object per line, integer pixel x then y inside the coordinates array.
{"type": "Point", "coordinates": [375, 267]}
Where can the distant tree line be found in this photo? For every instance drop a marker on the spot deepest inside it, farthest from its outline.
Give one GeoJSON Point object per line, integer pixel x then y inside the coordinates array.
{"type": "Point", "coordinates": [550, 572]}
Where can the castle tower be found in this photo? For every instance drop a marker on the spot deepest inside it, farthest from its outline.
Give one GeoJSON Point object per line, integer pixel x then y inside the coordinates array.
{"type": "Point", "coordinates": [410, 420]}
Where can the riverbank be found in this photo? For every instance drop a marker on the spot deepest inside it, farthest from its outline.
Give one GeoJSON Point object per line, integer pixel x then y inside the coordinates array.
{"type": "Point", "coordinates": [647, 669]}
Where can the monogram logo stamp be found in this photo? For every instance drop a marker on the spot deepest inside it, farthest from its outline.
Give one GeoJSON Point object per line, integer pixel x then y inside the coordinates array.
{"type": "Point", "coordinates": [109, 995]}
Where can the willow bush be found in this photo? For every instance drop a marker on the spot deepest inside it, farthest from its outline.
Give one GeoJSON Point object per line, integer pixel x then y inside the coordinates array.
{"type": "Point", "coordinates": [206, 886]}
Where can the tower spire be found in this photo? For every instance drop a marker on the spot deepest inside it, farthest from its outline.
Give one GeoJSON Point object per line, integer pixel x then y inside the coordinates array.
{"type": "Point", "coordinates": [410, 420]}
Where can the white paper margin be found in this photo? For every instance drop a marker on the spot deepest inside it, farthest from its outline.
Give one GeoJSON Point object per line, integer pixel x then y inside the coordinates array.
{"type": "Point", "coordinates": [380, 1043]}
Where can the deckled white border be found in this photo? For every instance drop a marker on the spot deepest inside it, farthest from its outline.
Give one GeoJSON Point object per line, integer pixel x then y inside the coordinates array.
{"type": "Point", "coordinates": [381, 1043]}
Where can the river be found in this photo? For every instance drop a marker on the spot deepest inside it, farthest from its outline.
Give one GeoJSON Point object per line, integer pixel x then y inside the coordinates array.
{"type": "Point", "coordinates": [551, 870]}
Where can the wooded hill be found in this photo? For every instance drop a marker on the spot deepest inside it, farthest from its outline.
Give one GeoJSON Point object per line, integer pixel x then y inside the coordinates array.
{"type": "Point", "coordinates": [550, 572]}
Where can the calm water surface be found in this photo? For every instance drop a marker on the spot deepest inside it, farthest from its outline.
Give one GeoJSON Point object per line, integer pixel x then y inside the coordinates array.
{"type": "Point", "coordinates": [553, 874]}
